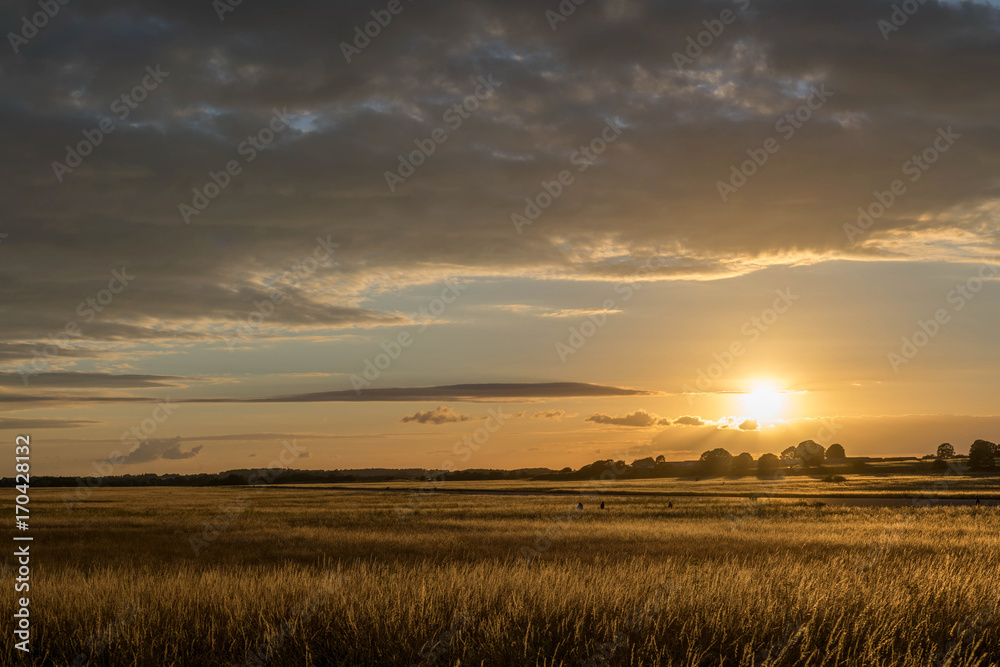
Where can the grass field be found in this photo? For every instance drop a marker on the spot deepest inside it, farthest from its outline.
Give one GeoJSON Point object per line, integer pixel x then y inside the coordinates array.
{"type": "Point", "coordinates": [908, 486]}
{"type": "Point", "coordinates": [286, 576]}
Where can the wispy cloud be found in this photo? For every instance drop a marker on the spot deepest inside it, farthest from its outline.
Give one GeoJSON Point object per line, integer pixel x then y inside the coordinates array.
{"type": "Point", "coordinates": [439, 415]}
{"type": "Point", "coordinates": [29, 424]}
{"type": "Point", "coordinates": [469, 393]}
{"type": "Point", "coordinates": [638, 419]}
{"type": "Point", "coordinates": [161, 448]}
{"type": "Point", "coordinates": [71, 380]}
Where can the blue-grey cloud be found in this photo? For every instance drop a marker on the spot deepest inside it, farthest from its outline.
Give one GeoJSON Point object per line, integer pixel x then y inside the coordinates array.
{"type": "Point", "coordinates": [160, 448]}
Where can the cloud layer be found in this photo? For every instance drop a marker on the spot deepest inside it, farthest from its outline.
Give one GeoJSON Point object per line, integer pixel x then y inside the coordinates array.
{"type": "Point", "coordinates": [651, 195]}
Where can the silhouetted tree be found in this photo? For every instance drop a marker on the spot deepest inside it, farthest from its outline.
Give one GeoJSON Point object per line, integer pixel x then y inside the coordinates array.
{"type": "Point", "coordinates": [716, 462]}
{"type": "Point", "coordinates": [742, 464]}
{"type": "Point", "coordinates": [596, 468]}
{"type": "Point", "coordinates": [661, 459]}
{"type": "Point", "coordinates": [836, 451]}
{"type": "Point", "coordinates": [811, 453]}
{"type": "Point", "coordinates": [945, 451]}
{"type": "Point", "coordinates": [982, 455]}
{"type": "Point", "coordinates": [664, 469]}
{"type": "Point", "coordinates": [647, 463]}
{"type": "Point", "coordinates": [767, 465]}
{"type": "Point", "coordinates": [790, 454]}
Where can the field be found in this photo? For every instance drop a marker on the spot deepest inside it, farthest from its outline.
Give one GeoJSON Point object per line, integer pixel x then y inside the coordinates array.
{"type": "Point", "coordinates": [800, 486]}
{"type": "Point", "coordinates": [311, 576]}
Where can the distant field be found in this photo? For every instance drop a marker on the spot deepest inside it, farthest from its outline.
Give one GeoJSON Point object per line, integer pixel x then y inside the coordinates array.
{"type": "Point", "coordinates": [284, 576]}
{"type": "Point", "coordinates": [916, 486]}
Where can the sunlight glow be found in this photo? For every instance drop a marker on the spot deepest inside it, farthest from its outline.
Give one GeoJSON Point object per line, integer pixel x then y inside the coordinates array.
{"type": "Point", "coordinates": [764, 402]}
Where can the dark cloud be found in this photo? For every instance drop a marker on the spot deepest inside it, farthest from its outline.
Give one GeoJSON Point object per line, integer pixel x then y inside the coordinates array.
{"type": "Point", "coordinates": [439, 415]}
{"type": "Point", "coordinates": [26, 351]}
{"type": "Point", "coordinates": [161, 448]}
{"type": "Point", "coordinates": [639, 419]}
{"type": "Point", "coordinates": [323, 177]}
{"type": "Point", "coordinates": [749, 425]}
{"type": "Point", "coordinates": [550, 414]}
{"type": "Point", "coordinates": [689, 421]}
{"type": "Point", "coordinates": [88, 380]}
{"type": "Point", "coordinates": [29, 424]}
{"type": "Point", "coordinates": [455, 392]}
{"type": "Point", "coordinates": [6, 397]}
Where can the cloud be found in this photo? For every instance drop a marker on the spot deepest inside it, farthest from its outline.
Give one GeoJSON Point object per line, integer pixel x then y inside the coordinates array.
{"type": "Point", "coordinates": [113, 209]}
{"type": "Point", "coordinates": [454, 392]}
{"type": "Point", "coordinates": [638, 419]}
{"type": "Point", "coordinates": [539, 311]}
{"type": "Point", "coordinates": [7, 397]}
{"type": "Point", "coordinates": [320, 178]}
{"type": "Point", "coordinates": [440, 415]}
{"type": "Point", "coordinates": [87, 380]}
{"type": "Point", "coordinates": [18, 351]}
{"type": "Point", "coordinates": [689, 421]}
{"type": "Point", "coordinates": [28, 424]}
{"type": "Point", "coordinates": [461, 393]}
{"type": "Point", "coordinates": [160, 448]}
{"type": "Point", "coordinates": [736, 423]}
{"type": "Point", "coordinates": [550, 414]}
{"type": "Point", "coordinates": [579, 312]}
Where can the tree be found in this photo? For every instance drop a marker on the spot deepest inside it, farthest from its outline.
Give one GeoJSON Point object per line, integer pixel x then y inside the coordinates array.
{"type": "Point", "coordinates": [644, 464]}
{"type": "Point", "coordinates": [742, 463]}
{"type": "Point", "coordinates": [811, 453]}
{"type": "Point", "coordinates": [716, 462]}
{"type": "Point", "coordinates": [790, 454]}
{"type": "Point", "coordinates": [982, 455]}
{"type": "Point", "coordinates": [661, 459]}
{"type": "Point", "coordinates": [597, 468]}
{"type": "Point", "coordinates": [836, 451]}
{"type": "Point", "coordinates": [767, 465]}
{"type": "Point", "coordinates": [945, 451]}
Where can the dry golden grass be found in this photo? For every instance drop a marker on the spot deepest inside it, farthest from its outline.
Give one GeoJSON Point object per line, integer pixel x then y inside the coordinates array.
{"type": "Point", "coordinates": [939, 485]}
{"type": "Point", "coordinates": [313, 577]}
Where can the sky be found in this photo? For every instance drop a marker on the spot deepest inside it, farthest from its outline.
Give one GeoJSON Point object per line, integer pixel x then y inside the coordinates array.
{"type": "Point", "coordinates": [496, 234]}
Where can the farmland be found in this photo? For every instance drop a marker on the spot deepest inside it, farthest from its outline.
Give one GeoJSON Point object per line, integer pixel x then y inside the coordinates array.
{"type": "Point", "coordinates": [312, 576]}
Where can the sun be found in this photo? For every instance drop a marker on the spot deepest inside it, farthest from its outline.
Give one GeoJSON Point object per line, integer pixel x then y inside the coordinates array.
{"type": "Point", "coordinates": [764, 402]}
